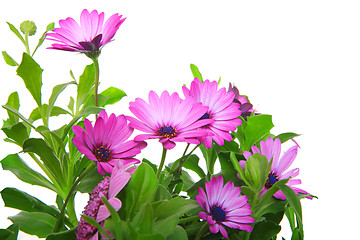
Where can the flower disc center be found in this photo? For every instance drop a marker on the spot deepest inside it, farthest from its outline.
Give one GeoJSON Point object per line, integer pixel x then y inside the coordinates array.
{"type": "Point", "coordinates": [218, 214]}
{"type": "Point", "coordinates": [102, 154]}
{"type": "Point", "coordinates": [205, 116]}
{"type": "Point", "coordinates": [272, 179]}
{"type": "Point", "coordinates": [167, 131]}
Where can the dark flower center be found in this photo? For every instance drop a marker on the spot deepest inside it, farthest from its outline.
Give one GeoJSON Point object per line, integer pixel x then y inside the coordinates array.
{"type": "Point", "coordinates": [102, 154]}
{"type": "Point", "coordinates": [218, 214]}
{"type": "Point", "coordinates": [272, 179]}
{"type": "Point", "coordinates": [205, 116]}
{"type": "Point", "coordinates": [92, 46]}
{"type": "Point", "coordinates": [167, 131]}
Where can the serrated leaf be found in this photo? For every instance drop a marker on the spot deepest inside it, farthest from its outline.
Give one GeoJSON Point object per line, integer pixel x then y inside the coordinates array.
{"type": "Point", "coordinates": [13, 102]}
{"type": "Point", "coordinates": [17, 132]}
{"type": "Point", "coordinates": [31, 73]}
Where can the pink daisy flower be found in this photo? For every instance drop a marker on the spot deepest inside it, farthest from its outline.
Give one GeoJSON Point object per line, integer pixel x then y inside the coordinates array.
{"type": "Point", "coordinates": [106, 142]}
{"type": "Point", "coordinates": [96, 209]}
{"type": "Point", "coordinates": [168, 118]}
{"type": "Point", "coordinates": [88, 37]}
{"type": "Point", "coordinates": [224, 206]}
{"type": "Point", "coordinates": [272, 149]}
{"type": "Point", "coordinates": [222, 110]}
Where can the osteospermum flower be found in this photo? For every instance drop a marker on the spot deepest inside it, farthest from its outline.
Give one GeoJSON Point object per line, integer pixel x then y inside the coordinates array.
{"type": "Point", "coordinates": [224, 206]}
{"type": "Point", "coordinates": [272, 149]}
{"type": "Point", "coordinates": [95, 208]}
{"type": "Point", "coordinates": [88, 37]}
{"type": "Point", "coordinates": [222, 110]}
{"type": "Point", "coordinates": [246, 107]}
{"type": "Point", "coordinates": [106, 142]}
{"type": "Point", "coordinates": [169, 119]}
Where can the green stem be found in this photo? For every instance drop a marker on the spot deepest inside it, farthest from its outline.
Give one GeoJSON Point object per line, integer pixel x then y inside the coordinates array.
{"type": "Point", "coordinates": [71, 210]}
{"type": "Point", "coordinates": [203, 230]}
{"type": "Point", "coordinates": [27, 44]}
{"type": "Point", "coordinates": [181, 163]}
{"type": "Point", "coordinates": [57, 187]}
{"type": "Point", "coordinates": [187, 147]}
{"type": "Point", "coordinates": [97, 74]}
{"type": "Point", "coordinates": [71, 192]}
{"type": "Point", "coordinates": [161, 163]}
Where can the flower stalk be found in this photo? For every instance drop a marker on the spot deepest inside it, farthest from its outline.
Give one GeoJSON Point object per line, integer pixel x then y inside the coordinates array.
{"type": "Point", "coordinates": [161, 163]}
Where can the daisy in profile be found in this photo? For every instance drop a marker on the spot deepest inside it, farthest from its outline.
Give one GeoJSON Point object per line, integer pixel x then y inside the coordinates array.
{"type": "Point", "coordinates": [272, 149]}
{"type": "Point", "coordinates": [246, 107]}
{"type": "Point", "coordinates": [169, 119]}
{"type": "Point", "coordinates": [224, 206]}
{"type": "Point", "coordinates": [221, 109]}
{"type": "Point", "coordinates": [87, 37]}
{"type": "Point", "coordinates": [106, 141]}
{"type": "Point", "coordinates": [95, 208]}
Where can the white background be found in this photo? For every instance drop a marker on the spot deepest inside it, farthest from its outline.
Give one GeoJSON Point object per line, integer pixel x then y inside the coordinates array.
{"type": "Point", "coordinates": [296, 60]}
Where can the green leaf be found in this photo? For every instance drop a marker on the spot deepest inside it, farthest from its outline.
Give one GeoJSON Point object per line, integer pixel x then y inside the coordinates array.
{"type": "Point", "coordinates": [71, 104]}
{"type": "Point", "coordinates": [31, 73]}
{"type": "Point", "coordinates": [178, 234]}
{"type": "Point", "coordinates": [68, 235]}
{"type": "Point", "coordinates": [175, 206]}
{"type": "Point", "coordinates": [257, 127]}
{"type": "Point", "coordinates": [49, 27]}
{"type": "Point", "coordinates": [28, 28]}
{"type": "Point", "coordinates": [143, 220]}
{"type": "Point", "coordinates": [166, 226]}
{"type": "Point", "coordinates": [15, 198]}
{"type": "Point", "coordinates": [210, 157]}
{"type": "Point", "coordinates": [86, 83]}
{"type": "Point", "coordinates": [17, 114]}
{"type": "Point", "coordinates": [294, 202]}
{"type": "Point", "coordinates": [13, 102]}
{"type": "Point", "coordinates": [14, 228]}
{"type": "Point", "coordinates": [143, 184]}
{"type": "Point", "coordinates": [9, 60]}
{"type": "Point", "coordinates": [256, 171]}
{"type": "Point", "coordinates": [54, 95]}
{"type": "Point", "coordinates": [196, 73]}
{"type": "Point", "coordinates": [265, 230]}
{"type": "Point", "coordinates": [114, 216]}
{"type": "Point", "coordinates": [35, 223]}
{"type": "Point", "coordinates": [92, 221]}
{"type": "Point", "coordinates": [5, 234]}
{"type": "Point", "coordinates": [16, 165]}
{"type": "Point", "coordinates": [109, 96]}
{"type": "Point", "coordinates": [90, 181]}
{"type": "Point", "coordinates": [16, 32]}
{"type": "Point", "coordinates": [38, 146]}
{"type": "Point", "coordinates": [162, 193]}
{"type": "Point", "coordinates": [17, 132]}
{"type": "Point", "coordinates": [287, 136]}
{"type": "Point", "coordinates": [193, 164]}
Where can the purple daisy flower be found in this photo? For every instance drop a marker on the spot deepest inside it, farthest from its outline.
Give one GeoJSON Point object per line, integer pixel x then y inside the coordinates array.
{"type": "Point", "coordinates": [222, 110]}
{"type": "Point", "coordinates": [88, 37]}
{"type": "Point", "coordinates": [224, 206]}
{"type": "Point", "coordinates": [272, 149]}
{"type": "Point", "coordinates": [246, 107]}
{"type": "Point", "coordinates": [168, 118]}
{"type": "Point", "coordinates": [96, 209]}
{"type": "Point", "coordinates": [106, 142]}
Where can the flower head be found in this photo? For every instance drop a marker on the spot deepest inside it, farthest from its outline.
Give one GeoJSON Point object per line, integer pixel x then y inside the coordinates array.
{"type": "Point", "coordinates": [272, 149]}
{"type": "Point", "coordinates": [246, 107]}
{"type": "Point", "coordinates": [224, 206]}
{"type": "Point", "coordinates": [106, 142]}
{"type": "Point", "coordinates": [88, 37]}
{"type": "Point", "coordinates": [168, 118]}
{"type": "Point", "coordinates": [222, 110]}
{"type": "Point", "coordinates": [95, 208]}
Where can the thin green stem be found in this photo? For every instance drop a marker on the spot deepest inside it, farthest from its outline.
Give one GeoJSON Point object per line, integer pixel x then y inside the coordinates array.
{"type": "Point", "coordinates": [161, 163]}
{"type": "Point", "coordinates": [97, 74]}
{"type": "Point", "coordinates": [187, 147]}
{"type": "Point", "coordinates": [71, 192]}
{"type": "Point", "coordinates": [181, 163]}
{"type": "Point", "coordinates": [27, 43]}
{"type": "Point", "coordinates": [203, 230]}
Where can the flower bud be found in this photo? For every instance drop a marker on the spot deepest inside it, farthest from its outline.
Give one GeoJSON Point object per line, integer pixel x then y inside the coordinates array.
{"type": "Point", "coordinates": [28, 28]}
